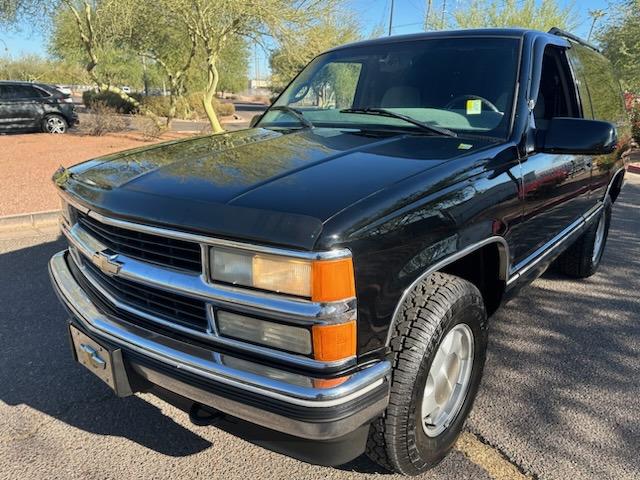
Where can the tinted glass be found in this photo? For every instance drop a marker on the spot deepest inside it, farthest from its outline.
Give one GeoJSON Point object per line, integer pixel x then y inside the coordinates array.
{"type": "Point", "coordinates": [19, 92]}
{"type": "Point", "coordinates": [465, 84]}
{"type": "Point", "coordinates": [602, 87]}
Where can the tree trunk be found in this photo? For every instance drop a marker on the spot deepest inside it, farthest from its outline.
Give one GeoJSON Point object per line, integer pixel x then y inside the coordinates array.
{"type": "Point", "coordinates": [207, 101]}
{"type": "Point", "coordinates": [171, 114]}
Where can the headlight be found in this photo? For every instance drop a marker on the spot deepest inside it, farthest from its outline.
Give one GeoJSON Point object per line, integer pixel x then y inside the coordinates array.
{"type": "Point", "coordinates": [318, 280]}
{"type": "Point", "coordinates": [276, 335]}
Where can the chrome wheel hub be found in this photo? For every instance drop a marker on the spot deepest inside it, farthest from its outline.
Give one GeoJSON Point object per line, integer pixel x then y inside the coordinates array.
{"type": "Point", "coordinates": [597, 244]}
{"type": "Point", "coordinates": [448, 380]}
{"type": "Point", "coordinates": [55, 125]}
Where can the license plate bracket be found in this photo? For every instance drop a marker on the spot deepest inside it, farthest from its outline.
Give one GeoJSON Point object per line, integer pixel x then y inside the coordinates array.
{"type": "Point", "coordinates": [104, 363]}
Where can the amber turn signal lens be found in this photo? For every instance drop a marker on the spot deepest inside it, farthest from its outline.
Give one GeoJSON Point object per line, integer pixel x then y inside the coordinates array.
{"type": "Point", "coordinates": [334, 342]}
{"type": "Point", "coordinates": [329, 382]}
{"type": "Point", "coordinates": [332, 280]}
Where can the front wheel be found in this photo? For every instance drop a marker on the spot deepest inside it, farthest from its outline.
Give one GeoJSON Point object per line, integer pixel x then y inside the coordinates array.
{"type": "Point", "coordinates": [54, 124]}
{"type": "Point", "coordinates": [439, 345]}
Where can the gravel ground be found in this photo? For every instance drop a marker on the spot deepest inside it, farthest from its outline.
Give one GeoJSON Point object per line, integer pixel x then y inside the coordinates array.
{"type": "Point", "coordinates": [559, 396]}
{"type": "Point", "coordinates": [27, 162]}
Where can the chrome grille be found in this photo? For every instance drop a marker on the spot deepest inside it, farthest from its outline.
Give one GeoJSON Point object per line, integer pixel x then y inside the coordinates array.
{"type": "Point", "coordinates": [186, 311]}
{"type": "Point", "coordinates": [168, 252]}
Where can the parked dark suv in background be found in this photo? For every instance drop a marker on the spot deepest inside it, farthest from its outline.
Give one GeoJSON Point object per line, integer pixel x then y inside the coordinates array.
{"type": "Point", "coordinates": [34, 106]}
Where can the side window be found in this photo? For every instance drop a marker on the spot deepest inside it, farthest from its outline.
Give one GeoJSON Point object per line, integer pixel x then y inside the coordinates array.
{"type": "Point", "coordinates": [18, 92]}
{"type": "Point", "coordinates": [25, 91]}
{"type": "Point", "coordinates": [557, 94]}
{"type": "Point", "coordinates": [602, 86]}
{"type": "Point", "coordinates": [333, 87]}
{"type": "Point", "coordinates": [581, 81]}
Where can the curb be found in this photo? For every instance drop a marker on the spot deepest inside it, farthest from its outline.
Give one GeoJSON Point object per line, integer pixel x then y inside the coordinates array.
{"type": "Point", "coordinates": [29, 220]}
{"type": "Point", "coordinates": [634, 168]}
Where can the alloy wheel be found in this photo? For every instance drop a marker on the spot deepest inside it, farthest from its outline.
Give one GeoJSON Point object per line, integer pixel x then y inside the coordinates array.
{"type": "Point", "coordinates": [448, 380]}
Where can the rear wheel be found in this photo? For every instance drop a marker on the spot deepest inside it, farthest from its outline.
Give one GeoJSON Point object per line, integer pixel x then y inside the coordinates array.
{"type": "Point", "coordinates": [439, 345]}
{"type": "Point", "coordinates": [582, 259]}
{"type": "Point", "coordinates": [54, 124]}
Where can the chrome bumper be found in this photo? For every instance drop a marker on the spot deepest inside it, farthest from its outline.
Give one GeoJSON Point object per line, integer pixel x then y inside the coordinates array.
{"type": "Point", "coordinates": [316, 413]}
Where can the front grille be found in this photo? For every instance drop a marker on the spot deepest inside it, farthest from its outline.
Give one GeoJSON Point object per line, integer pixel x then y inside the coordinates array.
{"type": "Point", "coordinates": [144, 246]}
{"type": "Point", "coordinates": [180, 309]}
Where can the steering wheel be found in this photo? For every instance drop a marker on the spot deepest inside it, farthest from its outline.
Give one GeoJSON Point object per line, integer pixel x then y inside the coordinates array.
{"type": "Point", "coordinates": [457, 99]}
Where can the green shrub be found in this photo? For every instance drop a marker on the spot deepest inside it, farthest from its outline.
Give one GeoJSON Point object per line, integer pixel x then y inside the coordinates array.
{"type": "Point", "coordinates": [188, 107]}
{"type": "Point", "coordinates": [111, 100]}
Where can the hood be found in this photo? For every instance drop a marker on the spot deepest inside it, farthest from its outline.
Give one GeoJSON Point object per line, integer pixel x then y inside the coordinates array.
{"type": "Point", "coordinates": [214, 183]}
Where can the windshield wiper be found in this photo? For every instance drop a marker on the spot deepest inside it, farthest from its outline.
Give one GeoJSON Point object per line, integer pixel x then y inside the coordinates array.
{"type": "Point", "coordinates": [383, 112]}
{"type": "Point", "coordinates": [294, 112]}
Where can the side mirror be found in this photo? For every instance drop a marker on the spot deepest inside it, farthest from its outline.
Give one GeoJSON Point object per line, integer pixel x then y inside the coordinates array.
{"type": "Point", "coordinates": [255, 119]}
{"type": "Point", "coordinates": [578, 136]}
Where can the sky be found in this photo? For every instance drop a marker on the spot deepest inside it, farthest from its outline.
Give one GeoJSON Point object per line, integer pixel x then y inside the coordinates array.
{"type": "Point", "coordinates": [408, 17]}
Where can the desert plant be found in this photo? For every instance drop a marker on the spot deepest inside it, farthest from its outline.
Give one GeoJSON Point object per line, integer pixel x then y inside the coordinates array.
{"type": "Point", "coordinates": [224, 109]}
{"type": "Point", "coordinates": [103, 119]}
{"type": "Point", "coordinates": [110, 99]}
{"type": "Point", "coordinates": [149, 129]}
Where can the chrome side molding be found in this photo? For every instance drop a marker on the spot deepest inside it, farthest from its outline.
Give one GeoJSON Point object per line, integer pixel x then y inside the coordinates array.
{"type": "Point", "coordinates": [552, 246]}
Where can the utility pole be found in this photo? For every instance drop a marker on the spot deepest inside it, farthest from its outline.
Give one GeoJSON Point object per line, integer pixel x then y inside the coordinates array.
{"type": "Point", "coordinates": [391, 17]}
{"type": "Point", "coordinates": [444, 10]}
{"type": "Point", "coordinates": [427, 14]}
{"type": "Point", "coordinates": [596, 15]}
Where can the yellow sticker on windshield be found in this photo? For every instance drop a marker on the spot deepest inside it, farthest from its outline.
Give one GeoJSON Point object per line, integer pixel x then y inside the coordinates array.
{"type": "Point", "coordinates": [474, 107]}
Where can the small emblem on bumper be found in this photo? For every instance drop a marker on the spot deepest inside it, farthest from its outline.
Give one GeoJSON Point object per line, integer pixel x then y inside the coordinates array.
{"type": "Point", "coordinates": [106, 263]}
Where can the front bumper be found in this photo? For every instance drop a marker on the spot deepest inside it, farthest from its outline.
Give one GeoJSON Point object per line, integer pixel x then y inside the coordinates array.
{"type": "Point", "coordinates": [287, 402]}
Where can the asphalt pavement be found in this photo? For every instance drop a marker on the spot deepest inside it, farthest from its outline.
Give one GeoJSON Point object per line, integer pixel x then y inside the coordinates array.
{"type": "Point", "coordinates": [560, 397]}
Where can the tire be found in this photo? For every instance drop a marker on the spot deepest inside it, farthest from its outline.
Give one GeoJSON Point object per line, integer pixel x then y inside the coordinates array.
{"type": "Point", "coordinates": [582, 258]}
{"type": "Point", "coordinates": [439, 306]}
{"type": "Point", "coordinates": [54, 124]}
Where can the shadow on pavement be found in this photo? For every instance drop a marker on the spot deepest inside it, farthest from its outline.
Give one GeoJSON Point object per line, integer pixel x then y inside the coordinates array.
{"type": "Point", "coordinates": [38, 369]}
{"type": "Point", "coordinates": [560, 391]}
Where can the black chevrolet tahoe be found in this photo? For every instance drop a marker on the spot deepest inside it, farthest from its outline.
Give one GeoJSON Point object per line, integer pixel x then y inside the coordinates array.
{"type": "Point", "coordinates": [321, 282]}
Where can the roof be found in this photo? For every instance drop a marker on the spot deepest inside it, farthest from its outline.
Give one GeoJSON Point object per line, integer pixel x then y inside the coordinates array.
{"type": "Point", "coordinates": [22, 82]}
{"type": "Point", "coordinates": [477, 32]}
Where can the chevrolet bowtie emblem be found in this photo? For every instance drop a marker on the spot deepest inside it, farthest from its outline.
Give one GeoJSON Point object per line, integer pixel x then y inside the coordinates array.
{"type": "Point", "coordinates": [106, 263]}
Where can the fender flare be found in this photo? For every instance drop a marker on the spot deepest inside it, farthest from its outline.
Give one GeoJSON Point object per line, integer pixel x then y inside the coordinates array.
{"type": "Point", "coordinates": [503, 251]}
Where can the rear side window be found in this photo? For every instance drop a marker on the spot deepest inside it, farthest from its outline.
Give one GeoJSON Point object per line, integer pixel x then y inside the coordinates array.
{"type": "Point", "coordinates": [599, 88]}
{"type": "Point", "coordinates": [19, 92]}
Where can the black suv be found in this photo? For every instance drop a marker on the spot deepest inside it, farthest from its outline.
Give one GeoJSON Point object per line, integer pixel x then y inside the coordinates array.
{"type": "Point", "coordinates": [328, 276]}
{"type": "Point", "coordinates": [35, 106]}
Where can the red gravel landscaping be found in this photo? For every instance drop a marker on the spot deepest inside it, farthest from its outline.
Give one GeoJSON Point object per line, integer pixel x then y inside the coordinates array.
{"type": "Point", "coordinates": [28, 161]}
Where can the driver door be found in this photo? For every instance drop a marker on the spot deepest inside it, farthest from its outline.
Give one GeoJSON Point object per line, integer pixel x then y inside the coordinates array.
{"type": "Point", "coordinates": [555, 188]}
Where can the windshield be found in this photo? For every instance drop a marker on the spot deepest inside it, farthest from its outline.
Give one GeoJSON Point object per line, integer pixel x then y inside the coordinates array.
{"type": "Point", "coordinates": [464, 84]}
